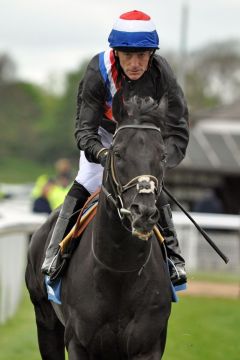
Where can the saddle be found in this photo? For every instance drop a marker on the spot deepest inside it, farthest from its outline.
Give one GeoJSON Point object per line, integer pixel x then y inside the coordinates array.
{"type": "Point", "coordinates": [70, 242]}
{"type": "Point", "coordinates": [85, 216]}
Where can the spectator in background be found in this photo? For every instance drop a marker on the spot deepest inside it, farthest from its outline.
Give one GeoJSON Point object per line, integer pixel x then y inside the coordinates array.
{"type": "Point", "coordinates": [42, 204]}
{"type": "Point", "coordinates": [64, 170]}
{"type": "Point", "coordinates": [48, 193]}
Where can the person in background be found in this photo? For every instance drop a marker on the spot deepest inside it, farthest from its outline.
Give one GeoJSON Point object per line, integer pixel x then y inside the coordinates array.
{"type": "Point", "coordinates": [41, 203]}
{"type": "Point", "coordinates": [49, 192]}
{"type": "Point", "coordinates": [132, 65]}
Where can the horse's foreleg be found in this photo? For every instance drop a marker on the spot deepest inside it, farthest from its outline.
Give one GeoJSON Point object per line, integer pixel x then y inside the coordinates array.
{"type": "Point", "coordinates": [156, 352]}
{"type": "Point", "coordinates": [163, 341]}
{"type": "Point", "coordinates": [50, 333]}
{"type": "Point", "coordinates": [76, 351]}
{"type": "Point", "coordinates": [50, 341]}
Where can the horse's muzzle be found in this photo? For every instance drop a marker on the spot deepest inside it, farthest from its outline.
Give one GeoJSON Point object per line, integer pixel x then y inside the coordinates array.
{"type": "Point", "coordinates": [143, 220]}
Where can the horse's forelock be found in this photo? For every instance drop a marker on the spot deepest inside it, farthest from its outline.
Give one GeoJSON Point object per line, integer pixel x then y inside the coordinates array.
{"type": "Point", "coordinates": [145, 110]}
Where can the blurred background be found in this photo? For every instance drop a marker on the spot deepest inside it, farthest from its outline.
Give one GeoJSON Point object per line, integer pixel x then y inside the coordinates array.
{"type": "Point", "coordinates": [44, 49]}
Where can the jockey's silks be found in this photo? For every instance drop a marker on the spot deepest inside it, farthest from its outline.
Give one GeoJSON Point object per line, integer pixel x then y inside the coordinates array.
{"type": "Point", "coordinates": [108, 69]}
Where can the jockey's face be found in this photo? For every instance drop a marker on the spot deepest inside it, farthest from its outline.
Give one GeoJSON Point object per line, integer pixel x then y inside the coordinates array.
{"type": "Point", "coordinates": [134, 64]}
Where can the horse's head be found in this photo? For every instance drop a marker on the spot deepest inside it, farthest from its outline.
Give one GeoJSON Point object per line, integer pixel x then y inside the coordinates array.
{"type": "Point", "coordinates": [136, 163]}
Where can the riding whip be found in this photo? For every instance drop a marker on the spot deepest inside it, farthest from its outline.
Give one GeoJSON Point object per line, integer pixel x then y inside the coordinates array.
{"type": "Point", "coordinates": [204, 234]}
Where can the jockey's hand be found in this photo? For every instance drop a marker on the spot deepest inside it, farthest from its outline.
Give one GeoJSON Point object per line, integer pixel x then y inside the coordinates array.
{"type": "Point", "coordinates": [102, 157]}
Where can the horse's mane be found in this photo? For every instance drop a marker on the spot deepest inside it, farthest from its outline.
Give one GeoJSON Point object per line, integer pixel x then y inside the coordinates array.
{"type": "Point", "coordinates": [140, 110]}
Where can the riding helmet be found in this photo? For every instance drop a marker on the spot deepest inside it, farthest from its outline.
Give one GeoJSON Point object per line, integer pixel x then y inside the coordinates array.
{"type": "Point", "coordinates": [134, 31]}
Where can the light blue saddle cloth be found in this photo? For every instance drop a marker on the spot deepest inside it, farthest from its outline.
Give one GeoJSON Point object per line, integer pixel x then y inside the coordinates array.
{"type": "Point", "coordinates": [54, 289]}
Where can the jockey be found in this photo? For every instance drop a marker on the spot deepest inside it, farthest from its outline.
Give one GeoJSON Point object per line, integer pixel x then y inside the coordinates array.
{"type": "Point", "coordinates": [130, 63]}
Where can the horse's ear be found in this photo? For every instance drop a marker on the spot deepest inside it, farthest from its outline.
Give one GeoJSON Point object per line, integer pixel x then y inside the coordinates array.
{"type": "Point", "coordinates": [130, 105]}
{"type": "Point", "coordinates": [163, 105]}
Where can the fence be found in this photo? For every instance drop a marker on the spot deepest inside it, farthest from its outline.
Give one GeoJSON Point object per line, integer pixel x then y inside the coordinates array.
{"type": "Point", "coordinates": [14, 233]}
{"type": "Point", "coordinates": [14, 237]}
{"type": "Point", "coordinates": [224, 230]}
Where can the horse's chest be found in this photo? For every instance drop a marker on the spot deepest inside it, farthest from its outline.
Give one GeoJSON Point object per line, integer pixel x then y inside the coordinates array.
{"type": "Point", "coordinates": [128, 334]}
{"type": "Point", "coordinates": [127, 319]}
{"type": "Point", "coordinates": [119, 314]}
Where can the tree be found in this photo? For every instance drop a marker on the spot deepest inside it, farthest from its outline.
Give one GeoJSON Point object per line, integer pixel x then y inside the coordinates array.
{"type": "Point", "coordinates": [213, 75]}
{"type": "Point", "coordinates": [22, 114]}
{"type": "Point", "coordinates": [36, 124]}
{"type": "Point", "coordinates": [63, 142]}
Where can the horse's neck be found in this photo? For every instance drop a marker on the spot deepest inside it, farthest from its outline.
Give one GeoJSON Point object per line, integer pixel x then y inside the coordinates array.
{"type": "Point", "coordinates": [113, 244]}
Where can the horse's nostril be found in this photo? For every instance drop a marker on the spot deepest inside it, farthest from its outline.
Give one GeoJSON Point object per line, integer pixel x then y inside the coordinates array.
{"type": "Point", "coordinates": [135, 208]}
{"type": "Point", "coordinates": [144, 213]}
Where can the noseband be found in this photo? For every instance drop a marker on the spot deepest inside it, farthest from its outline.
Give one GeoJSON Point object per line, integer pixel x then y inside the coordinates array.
{"type": "Point", "coordinates": [144, 183]}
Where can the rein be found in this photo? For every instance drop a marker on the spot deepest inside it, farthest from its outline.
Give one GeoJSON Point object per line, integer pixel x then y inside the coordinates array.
{"type": "Point", "coordinates": [139, 269]}
{"type": "Point", "coordinates": [147, 184]}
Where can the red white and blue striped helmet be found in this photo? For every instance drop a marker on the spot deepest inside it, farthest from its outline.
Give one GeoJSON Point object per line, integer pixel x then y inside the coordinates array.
{"type": "Point", "coordinates": [134, 30]}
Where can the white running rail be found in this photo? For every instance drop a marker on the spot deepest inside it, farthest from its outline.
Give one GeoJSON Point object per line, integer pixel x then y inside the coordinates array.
{"type": "Point", "coordinates": [15, 227]}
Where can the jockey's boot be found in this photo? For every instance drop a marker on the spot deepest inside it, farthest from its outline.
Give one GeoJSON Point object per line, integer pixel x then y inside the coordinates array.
{"type": "Point", "coordinates": [176, 261]}
{"type": "Point", "coordinates": [75, 199]}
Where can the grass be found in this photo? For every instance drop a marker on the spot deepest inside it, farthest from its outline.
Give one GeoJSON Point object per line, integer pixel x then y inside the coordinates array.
{"type": "Point", "coordinates": [199, 328]}
{"type": "Point", "coordinates": [18, 337]}
{"type": "Point", "coordinates": [204, 328]}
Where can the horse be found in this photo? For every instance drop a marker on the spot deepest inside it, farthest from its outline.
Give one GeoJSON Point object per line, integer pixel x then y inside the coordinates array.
{"type": "Point", "coordinates": [116, 292]}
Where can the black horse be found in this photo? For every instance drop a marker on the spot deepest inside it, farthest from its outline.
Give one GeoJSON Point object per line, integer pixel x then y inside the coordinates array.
{"type": "Point", "coordinates": [116, 292]}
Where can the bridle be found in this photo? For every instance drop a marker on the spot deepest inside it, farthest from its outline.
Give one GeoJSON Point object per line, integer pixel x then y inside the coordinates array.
{"type": "Point", "coordinates": [144, 183]}
{"type": "Point", "coordinates": [147, 184]}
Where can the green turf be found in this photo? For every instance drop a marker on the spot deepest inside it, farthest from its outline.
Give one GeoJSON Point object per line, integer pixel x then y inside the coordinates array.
{"type": "Point", "coordinates": [18, 337]}
{"type": "Point", "coordinates": [199, 329]}
{"type": "Point", "coordinates": [206, 329]}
